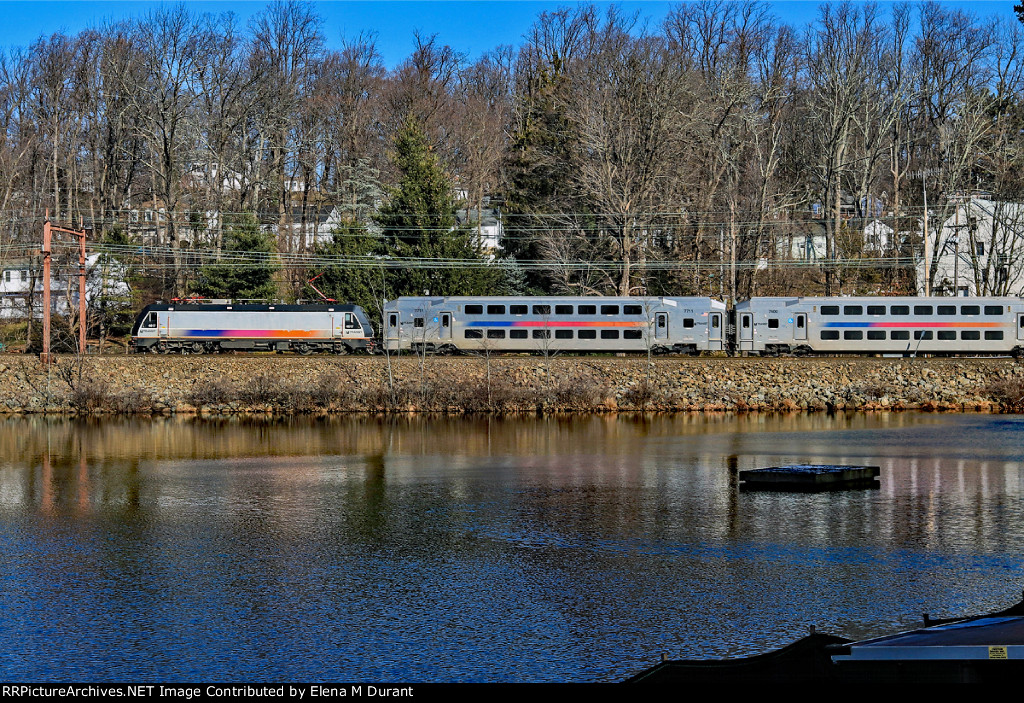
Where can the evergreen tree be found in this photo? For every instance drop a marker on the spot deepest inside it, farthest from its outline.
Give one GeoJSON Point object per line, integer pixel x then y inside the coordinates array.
{"type": "Point", "coordinates": [350, 277]}
{"type": "Point", "coordinates": [247, 269]}
{"type": "Point", "coordinates": [418, 221]}
{"type": "Point", "coordinates": [540, 171]}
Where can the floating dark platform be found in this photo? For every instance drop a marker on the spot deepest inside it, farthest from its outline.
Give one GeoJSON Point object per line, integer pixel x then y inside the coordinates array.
{"type": "Point", "coordinates": [810, 477]}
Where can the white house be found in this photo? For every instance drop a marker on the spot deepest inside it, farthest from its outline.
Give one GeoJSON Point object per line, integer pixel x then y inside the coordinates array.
{"type": "Point", "coordinates": [979, 250]}
{"type": "Point", "coordinates": [16, 283]}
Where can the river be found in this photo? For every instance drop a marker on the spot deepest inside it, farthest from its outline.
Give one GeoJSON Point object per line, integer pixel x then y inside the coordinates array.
{"type": "Point", "coordinates": [421, 549]}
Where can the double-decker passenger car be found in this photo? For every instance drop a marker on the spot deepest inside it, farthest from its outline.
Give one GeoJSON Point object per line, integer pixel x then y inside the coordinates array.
{"type": "Point", "coordinates": [548, 324]}
{"type": "Point", "coordinates": [898, 325]}
{"type": "Point", "coordinates": [195, 328]}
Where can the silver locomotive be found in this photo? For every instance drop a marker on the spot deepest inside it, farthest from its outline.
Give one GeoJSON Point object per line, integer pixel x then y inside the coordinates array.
{"type": "Point", "coordinates": [205, 327]}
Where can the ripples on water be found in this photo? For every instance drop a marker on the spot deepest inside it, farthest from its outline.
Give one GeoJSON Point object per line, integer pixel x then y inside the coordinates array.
{"type": "Point", "coordinates": [483, 550]}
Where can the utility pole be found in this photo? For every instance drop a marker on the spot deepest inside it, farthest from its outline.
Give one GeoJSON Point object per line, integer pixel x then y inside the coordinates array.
{"type": "Point", "coordinates": [48, 230]}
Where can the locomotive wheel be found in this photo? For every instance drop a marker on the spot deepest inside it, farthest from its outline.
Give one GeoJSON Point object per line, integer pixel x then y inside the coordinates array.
{"type": "Point", "coordinates": [198, 348]}
{"type": "Point", "coordinates": [304, 349]}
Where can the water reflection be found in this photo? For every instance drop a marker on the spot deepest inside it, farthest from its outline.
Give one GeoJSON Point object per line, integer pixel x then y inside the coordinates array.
{"type": "Point", "coordinates": [523, 549]}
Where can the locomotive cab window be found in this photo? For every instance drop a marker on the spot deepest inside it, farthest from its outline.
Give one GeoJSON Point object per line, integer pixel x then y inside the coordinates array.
{"type": "Point", "coordinates": [474, 309]}
{"type": "Point", "coordinates": [150, 321]}
{"type": "Point", "coordinates": [350, 322]}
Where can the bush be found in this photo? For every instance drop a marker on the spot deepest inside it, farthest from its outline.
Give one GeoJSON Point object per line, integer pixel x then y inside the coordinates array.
{"type": "Point", "coordinates": [1007, 391]}
{"type": "Point", "coordinates": [641, 394]}
{"type": "Point", "coordinates": [215, 391]}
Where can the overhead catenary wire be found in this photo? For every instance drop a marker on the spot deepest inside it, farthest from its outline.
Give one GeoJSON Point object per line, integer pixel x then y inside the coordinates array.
{"type": "Point", "coordinates": [168, 257]}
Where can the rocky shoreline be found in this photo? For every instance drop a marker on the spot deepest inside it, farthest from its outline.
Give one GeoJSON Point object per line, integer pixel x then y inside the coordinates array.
{"type": "Point", "coordinates": [273, 384]}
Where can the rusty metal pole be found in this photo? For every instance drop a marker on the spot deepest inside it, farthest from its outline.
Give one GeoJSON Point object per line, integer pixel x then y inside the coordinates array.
{"type": "Point", "coordinates": [81, 293]}
{"type": "Point", "coordinates": [45, 356]}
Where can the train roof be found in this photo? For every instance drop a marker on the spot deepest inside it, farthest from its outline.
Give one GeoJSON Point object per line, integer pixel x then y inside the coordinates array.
{"type": "Point", "coordinates": [252, 307]}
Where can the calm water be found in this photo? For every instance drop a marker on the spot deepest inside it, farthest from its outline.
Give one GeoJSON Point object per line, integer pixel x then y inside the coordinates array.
{"type": "Point", "coordinates": [483, 550]}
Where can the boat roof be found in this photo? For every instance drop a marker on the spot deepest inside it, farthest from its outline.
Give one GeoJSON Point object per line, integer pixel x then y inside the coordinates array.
{"type": "Point", "coordinates": [986, 637]}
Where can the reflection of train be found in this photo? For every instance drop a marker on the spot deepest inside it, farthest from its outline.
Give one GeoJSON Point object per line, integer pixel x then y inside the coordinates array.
{"type": "Point", "coordinates": [195, 328]}
{"type": "Point", "coordinates": [555, 324]}
{"type": "Point", "coordinates": [562, 324]}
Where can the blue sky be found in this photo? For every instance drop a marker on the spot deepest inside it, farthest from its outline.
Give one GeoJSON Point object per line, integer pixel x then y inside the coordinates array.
{"type": "Point", "coordinates": [470, 26]}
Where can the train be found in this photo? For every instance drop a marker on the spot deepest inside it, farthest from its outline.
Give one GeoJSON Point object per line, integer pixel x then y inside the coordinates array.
{"type": "Point", "coordinates": [762, 326]}
{"type": "Point", "coordinates": [207, 327]}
